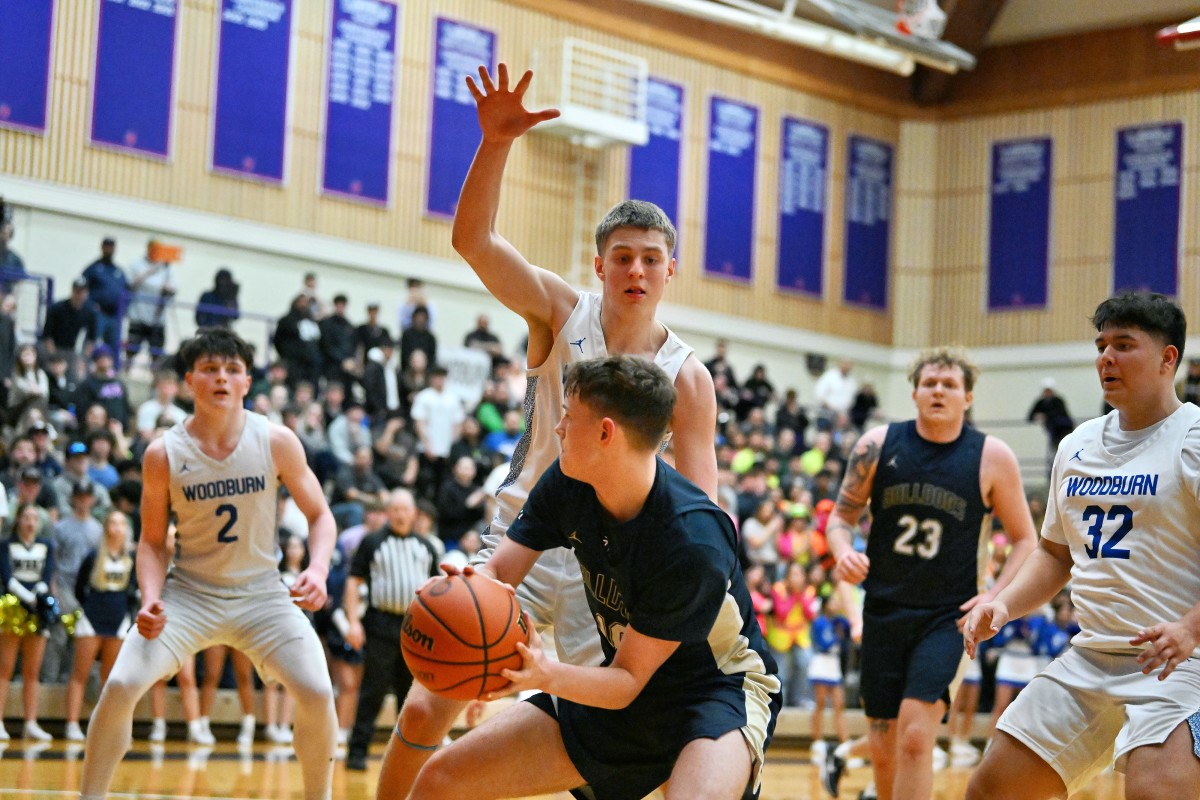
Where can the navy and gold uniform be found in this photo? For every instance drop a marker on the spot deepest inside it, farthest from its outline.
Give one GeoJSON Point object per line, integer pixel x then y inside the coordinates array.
{"type": "Point", "coordinates": [672, 573]}
{"type": "Point", "coordinates": [929, 531]}
{"type": "Point", "coordinates": [25, 571]}
{"type": "Point", "coordinates": [107, 592]}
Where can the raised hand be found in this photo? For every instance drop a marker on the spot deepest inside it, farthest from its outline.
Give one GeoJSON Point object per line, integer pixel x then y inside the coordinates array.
{"type": "Point", "coordinates": [502, 116]}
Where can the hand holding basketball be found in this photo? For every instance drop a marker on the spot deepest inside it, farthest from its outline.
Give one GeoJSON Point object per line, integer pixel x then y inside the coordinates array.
{"type": "Point", "coordinates": [533, 673]}
{"type": "Point", "coordinates": [460, 632]}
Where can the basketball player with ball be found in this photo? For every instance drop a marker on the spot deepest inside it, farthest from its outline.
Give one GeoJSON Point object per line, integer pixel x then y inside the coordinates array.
{"type": "Point", "coordinates": [218, 473]}
{"type": "Point", "coordinates": [688, 691]}
{"type": "Point", "coordinates": [635, 244]}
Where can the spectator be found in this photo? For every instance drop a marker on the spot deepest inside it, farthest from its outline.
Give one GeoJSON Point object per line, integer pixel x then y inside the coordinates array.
{"type": "Point", "coordinates": [75, 535]}
{"type": "Point", "coordinates": [70, 325]}
{"type": "Point", "coordinates": [339, 345]}
{"type": "Point", "coordinates": [8, 344]}
{"type": "Point", "coordinates": [100, 458]}
{"type": "Point", "coordinates": [761, 534]}
{"type": "Point", "coordinates": [334, 404]}
{"type": "Point", "coordinates": [22, 463]}
{"type": "Point", "coordinates": [75, 474]}
{"type": "Point", "coordinates": [504, 441]}
{"type": "Point", "coordinates": [12, 267]}
{"type": "Point", "coordinates": [348, 433]}
{"type": "Point", "coordinates": [719, 365]}
{"type": "Point", "coordinates": [218, 306]}
{"type": "Point", "coordinates": [316, 305]}
{"type": "Point", "coordinates": [102, 387]}
{"type": "Point", "coordinates": [371, 334]}
{"type": "Point", "coordinates": [396, 453]}
{"type": "Point", "coordinates": [29, 386]}
{"type": "Point", "coordinates": [483, 339]}
{"type": "Point", "coordinates": [1188, 387]}
{"type": "Point", "coordinates": [416, 297]}
{"type": "Point", "coordinates": [107, 286]}
{"type": "Point", "coordinates": [834, 393]}
{"type": "Point", "coordinates": [727, 397]}
{"type": "Point", "coordinates": [865, 403]}
{"type": "Point", "coordinates": [437, 415]}
{"type": "Point", "coordinates": [162, 404]}
{"type": "Point", "coordinates": [44, 456]}
{"type": "Point", "coordinates": [418, 336]}
{"type": "Point", "coordinates": [788, 634]}
{"type": "Point", "coordinates": [355, 487]}
{"type": "Point", "coordinates": [153, 285]}
{"type": "Point", "coordinates": [1050, 411]}
{"type": "Point", "coordinates": [415, 377]}
{"type": "Point", "coordinates": [460, 502]}
{"type": "Point", "coordinates": [26, 570]}
{"type": "Point", "coordinates": [382, 382]}
{"type": "Point", "coordinates": [63, 390]}
{"type": "Point", "coordinates": [470, 444]}
{"type": "Point", "coordinates": [495, 403]}
{"type": "Point", "coordinates": [32, 489]}
{"type": "Point", "coordinates": [756, 392]}
{"type": "Point", "coordinates": [298, 342]}
{"type": "Point", "coordinates": [791, 416]}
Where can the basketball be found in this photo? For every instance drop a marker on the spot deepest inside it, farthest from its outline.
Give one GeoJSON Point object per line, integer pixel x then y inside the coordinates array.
{"type": "Point", "coordinates": [459, 632]}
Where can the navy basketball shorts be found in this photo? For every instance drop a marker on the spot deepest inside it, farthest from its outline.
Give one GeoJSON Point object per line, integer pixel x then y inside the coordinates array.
{"type": "Point", "coordinates": [908, 653]}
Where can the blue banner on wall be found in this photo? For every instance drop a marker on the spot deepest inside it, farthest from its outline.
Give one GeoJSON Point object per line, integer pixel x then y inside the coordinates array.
{"type": "Point", "coordinates": [250, 121]}
{"type": "Point", "coordinates": [1146, 227]}
{"type": "Point", "coordinates": [868, 222]}
{"type": "Point", "coordinates": [358, 100]}
{"type": "Point", "coordinates": [803, 162]}
{"type": "Point", "coordinates": [133, 87]}
{"type": "Point", "coordinates": [1019, 236]}
{"type": "Point", "coordinates": [26, 27]}
{"type": "Point", "coordinates": [654, 166]}
{"type": "Point", "coordinates": [729, 217]}
{"type": "Point", "coordinates": [458, 50]}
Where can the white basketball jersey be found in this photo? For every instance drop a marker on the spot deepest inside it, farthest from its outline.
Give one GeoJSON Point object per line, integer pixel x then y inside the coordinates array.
{"type": "Point", "coordinates": [1131, 516]}
{"type": "Point", "coordinates": [581, 338]}
{"type": "Point", "coordinates": [225, 511]}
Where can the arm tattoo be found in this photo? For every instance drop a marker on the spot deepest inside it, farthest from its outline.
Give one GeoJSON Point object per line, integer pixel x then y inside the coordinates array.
{"type": "Point", "coordinates": [856, 487]}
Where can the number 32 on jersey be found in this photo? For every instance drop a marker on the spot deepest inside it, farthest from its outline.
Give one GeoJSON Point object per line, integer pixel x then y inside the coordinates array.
{"type": "Point", "coordinates": [1119, 521]}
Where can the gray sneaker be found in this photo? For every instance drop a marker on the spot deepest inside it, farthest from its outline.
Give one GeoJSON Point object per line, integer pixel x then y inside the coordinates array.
{"type": "Point", "coordinates": [831, 770]}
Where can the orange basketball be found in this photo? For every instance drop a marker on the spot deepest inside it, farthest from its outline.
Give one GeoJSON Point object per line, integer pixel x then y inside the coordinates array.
{"type": "Point", "coordinates": [459, 632]}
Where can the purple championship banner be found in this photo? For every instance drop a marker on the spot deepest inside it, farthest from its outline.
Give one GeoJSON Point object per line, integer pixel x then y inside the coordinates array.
{"type": "Point", "coordinates": [134, 79]}
{"type": "Point", "coordinates": [868, 222]}
{"type": "Point", "coordinates": [1146, 222]}
{"type": "Point", "coordinates": [458, 50]}
{"type": "Point", "coordinates": [359, 96]}
{"type": "Point", "coordinates": [26, 29]}
{"type": "Point", "coordinates": [803, 175]}
{"type": "Point", "coordinates": [1019, 225]}
{"type": "Point", "coordinates": [250, 122]}
{"type": "Point", "coordinates": [654, 166]}
{"type": "Point", "coordinates": [729, 207]}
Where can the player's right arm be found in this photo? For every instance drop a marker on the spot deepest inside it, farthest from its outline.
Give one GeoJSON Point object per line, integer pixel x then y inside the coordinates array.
{"type": "Point", "coordinates": [1042, 575]}
{"type": "Point", "coordinates": [542, 298]}
{"type": "Point", "coordinates": [153, 554]}
{"type": "Point", "coordinates": [853, 498]}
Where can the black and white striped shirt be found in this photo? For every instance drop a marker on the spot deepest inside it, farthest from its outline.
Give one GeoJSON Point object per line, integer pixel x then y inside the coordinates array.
{"type": "Point", "coordinates": [393, 566]}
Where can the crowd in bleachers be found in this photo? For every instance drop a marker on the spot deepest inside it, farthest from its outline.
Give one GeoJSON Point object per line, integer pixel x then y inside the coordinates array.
{"type": "Point", "coordinates": [374, 411]}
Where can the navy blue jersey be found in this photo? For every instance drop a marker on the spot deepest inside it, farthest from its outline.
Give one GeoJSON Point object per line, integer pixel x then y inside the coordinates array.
{"type": "Point", "coordinates": [30, 564]}
{"type": "Point", "coordinates": [928, 520]}
{"type": "Point", "coordinates": [671, 572]}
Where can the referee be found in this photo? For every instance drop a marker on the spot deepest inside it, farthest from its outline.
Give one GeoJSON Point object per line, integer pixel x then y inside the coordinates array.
{"type": "Point", "coordinates": [393, 562]}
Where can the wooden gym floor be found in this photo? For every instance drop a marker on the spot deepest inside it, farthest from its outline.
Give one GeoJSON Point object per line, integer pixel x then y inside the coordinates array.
{"type": "Point", "coordinates": [271, 773]}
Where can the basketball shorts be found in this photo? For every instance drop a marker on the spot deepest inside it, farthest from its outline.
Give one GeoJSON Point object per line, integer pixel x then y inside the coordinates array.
{"type": "Point", "coordinates": [908, 653]}
{"type": "Point", "coordinates": [825, 669]}
{"type": "Point", "coordinates": [554, 596]}
{"type": "Point", "coordinates": [625, 754]}
{"type": "Point", "coordinates": [257, 624]}
{"type": "Point", "coordinates": [1089, 709]}
{"type": "Point", "coordinates": [1018, 668]}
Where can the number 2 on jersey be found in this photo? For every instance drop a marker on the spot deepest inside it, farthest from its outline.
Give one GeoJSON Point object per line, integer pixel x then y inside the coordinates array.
{"type": "Point", "coordinates": [1096, 516]}
{"type": "Point", "coordinates": [224, 536]}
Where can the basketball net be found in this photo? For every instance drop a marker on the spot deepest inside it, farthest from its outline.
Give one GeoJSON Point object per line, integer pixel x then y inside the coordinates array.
{"type": "Point", "coordinates": [922, 18]}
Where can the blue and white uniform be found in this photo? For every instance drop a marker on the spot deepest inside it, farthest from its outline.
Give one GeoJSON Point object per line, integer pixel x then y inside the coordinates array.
{"type": "Point", "coordinates": [1127, 504]}
{"type": "Point", "coordinates": [827, 633]}
{"type": "Point", "coordinates": [672, 573]}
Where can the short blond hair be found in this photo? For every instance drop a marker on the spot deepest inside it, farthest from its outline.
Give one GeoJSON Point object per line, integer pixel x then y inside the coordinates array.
{"type": "Point", "coordinates": [945, 357]}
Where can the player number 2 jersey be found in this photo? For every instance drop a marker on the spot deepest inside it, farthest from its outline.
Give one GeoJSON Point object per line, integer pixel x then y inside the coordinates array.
{"type": "Point", "coordinates": [225, 511]}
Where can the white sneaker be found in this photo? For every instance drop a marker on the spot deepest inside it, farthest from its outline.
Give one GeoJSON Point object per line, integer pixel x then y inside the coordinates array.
{"type": "Point", "coordinates": [817, 751]}
{"type": "Point", "coordinates": [939, 758]}
{"type": "Point", "coordinates": [34, 731]}
{"type": "Point", "coordinates": [278, 734]}
{"type": "Point", "coordinates": [158, 730]}
{"type": "Point", "coordinates": [204, 723]}
{"type": "Point", "coordinates": [197, 735]}
{"type": "Point", "coordinates": [3, 733]}
{"type": "Point", "coordinates": [963, 755]}
{"type": "Point", "coordinates": [74, 733]}
{"type": "Point", "coordinates": [246, 731]}
{"type": "Point", "coordinates": [343, 736]}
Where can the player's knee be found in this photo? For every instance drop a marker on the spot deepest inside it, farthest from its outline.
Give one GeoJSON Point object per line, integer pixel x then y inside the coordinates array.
{"type": "Point", "coordinates": [123, 688]}
{"type": "Point", "coordinates": [435, 781]}
{"type": "Point", "coordinates": [913, 744]}
{"type": "Point", "coordinates": [426, 718]}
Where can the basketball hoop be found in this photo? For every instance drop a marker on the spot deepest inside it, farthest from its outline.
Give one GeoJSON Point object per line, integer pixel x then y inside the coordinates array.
{"type": "Point", "coordinates": [1184, 36]}
{"type": "Point", "coordinates": [923, 18]}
